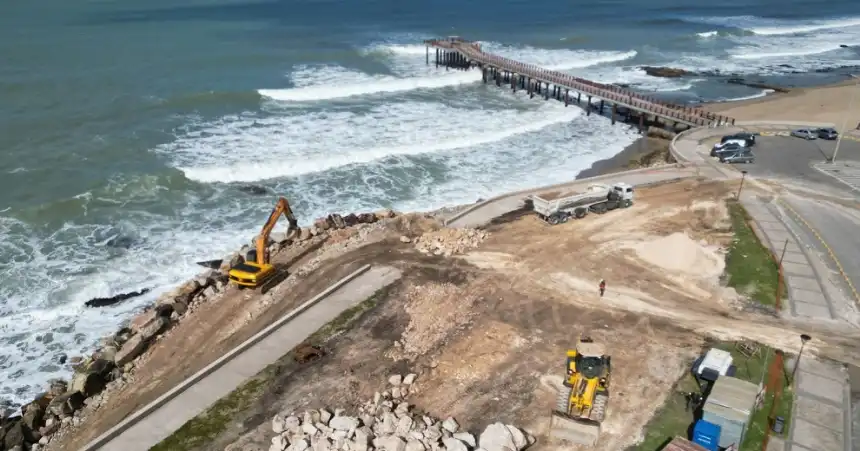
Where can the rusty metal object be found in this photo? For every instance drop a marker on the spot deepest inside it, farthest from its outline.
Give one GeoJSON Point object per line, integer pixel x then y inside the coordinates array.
{"type": "Point", "coordinates": [307, 353]}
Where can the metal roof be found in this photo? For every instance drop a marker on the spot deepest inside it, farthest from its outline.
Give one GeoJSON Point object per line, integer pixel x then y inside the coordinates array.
{"type": "Point", "coordinates": [729, 393]}
{"type": "Point", "coordinates": [681, 444]}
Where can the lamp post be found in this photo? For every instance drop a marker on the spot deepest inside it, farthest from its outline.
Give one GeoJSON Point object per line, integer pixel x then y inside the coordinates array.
{"type": "Point", "coordinates": [803, 339]}
{"type": "Point", "coordinates": [845, 121]}
{"type": "Point", "coordinates": [743, 177]}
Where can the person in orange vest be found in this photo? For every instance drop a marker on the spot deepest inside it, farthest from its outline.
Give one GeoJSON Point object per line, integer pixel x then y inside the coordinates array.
{"type": "Point", "coordinates": [602, 287]}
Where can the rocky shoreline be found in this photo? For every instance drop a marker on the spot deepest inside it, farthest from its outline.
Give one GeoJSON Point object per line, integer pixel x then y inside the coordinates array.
{"type": "Point", "coordinates": [66, 404]}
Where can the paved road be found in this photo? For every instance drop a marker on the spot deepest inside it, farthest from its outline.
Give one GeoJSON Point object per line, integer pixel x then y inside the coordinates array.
{"type": "Point", "coordinates": [158, 425]}
{"type": "Point", "coordinates": [835, 234]}
{"type": "Point", "coordinates": [785, 157]}
{"type": "Point", "coordinates": [497, 207]}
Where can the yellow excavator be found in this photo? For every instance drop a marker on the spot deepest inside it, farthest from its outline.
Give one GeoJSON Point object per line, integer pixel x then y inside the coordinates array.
{"type": "Point", "coordinates": [581, 405]}
{"type": "Point", "coordinates": [256, 271]}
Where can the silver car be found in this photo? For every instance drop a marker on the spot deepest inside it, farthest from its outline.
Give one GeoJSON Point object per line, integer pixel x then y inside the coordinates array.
{"type": "Point", "coordinates": [805, 133]}
{"type": "Point", "coordinates": [741, 156]}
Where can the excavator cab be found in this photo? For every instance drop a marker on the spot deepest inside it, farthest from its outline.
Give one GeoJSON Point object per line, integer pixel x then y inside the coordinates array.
{"type": "Point", "coordinates": [256, 270]}
{"type": "Point", "coordinates": [581, 407]}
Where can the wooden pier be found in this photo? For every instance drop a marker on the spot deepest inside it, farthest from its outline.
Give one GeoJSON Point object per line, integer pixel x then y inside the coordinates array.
{"type": "Point", "coordinates": [625, 104]}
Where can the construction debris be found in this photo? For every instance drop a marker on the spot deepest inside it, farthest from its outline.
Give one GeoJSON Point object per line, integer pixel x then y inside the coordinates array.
{"type": "Point", "coordinates": [388, 423]}
{"type": "Point", "coordinates": [448, 242]}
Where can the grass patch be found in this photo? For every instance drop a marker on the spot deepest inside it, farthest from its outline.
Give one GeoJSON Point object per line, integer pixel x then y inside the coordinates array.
{"type": "Point", "coordinates": [206, 427]}
{"type": "Point", "coordinates": [673, 419]}
{"type": "Point", "coordinates": [750, 267]}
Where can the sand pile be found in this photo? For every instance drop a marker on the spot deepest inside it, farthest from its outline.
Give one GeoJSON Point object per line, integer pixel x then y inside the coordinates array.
{"type": "Point", "coordinates": [679, 253]}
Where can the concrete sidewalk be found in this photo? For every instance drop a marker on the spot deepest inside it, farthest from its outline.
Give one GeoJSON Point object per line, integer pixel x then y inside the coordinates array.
{"type": "Point", "coordinates": [821, 415]}
{"type": "Point", "coordinates": [169, 417]}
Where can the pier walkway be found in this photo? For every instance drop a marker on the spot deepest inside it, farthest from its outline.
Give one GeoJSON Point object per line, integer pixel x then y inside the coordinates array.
{"type": "Point", "coordinates": [457, 53]}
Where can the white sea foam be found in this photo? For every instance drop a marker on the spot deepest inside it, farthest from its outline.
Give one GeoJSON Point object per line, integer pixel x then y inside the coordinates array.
{"type": "Point", "coordinates": [407, 61]}
{"type": "Point", "coordinates": [708, 34]}
{"type": "Point", "coordinates": [763, 93]}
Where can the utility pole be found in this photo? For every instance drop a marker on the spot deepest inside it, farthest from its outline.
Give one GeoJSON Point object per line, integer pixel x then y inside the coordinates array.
{"type": "Point", "coordinates": [743, 176]}
{"type": "Point", "coordinates": [845, 121]}
{"type": "Point", "coordinates": [803, 339]}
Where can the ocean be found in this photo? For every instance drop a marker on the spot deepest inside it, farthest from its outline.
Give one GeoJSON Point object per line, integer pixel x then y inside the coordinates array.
{"type": "Point", "coordinates": [128, 128]}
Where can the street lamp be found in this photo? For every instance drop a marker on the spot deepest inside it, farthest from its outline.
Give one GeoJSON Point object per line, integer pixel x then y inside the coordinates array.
{"type": "Point", "coordinates": [743, 177]}
{"type": "Point", "coordinates": [803, 339]}
{"type": "Point", "coordinates": [845, 121]}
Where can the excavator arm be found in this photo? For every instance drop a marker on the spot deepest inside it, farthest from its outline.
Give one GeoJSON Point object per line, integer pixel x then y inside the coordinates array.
{"type": "Point", "coordinates": [281, 208]}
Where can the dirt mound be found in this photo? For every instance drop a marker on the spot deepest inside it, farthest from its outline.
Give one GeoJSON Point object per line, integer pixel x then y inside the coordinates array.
{"type": "Point", "coordinates": [450, 241]}
{"type": "Point", "coordinates": [436, 311]}
{"type": "Point", "coordinates": [680, 254]}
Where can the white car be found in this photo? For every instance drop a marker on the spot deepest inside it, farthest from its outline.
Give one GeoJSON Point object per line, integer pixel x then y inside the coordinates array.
{"type": "Point", "coordinates": [739, 142]}
{"type": "Point", "coordinates": [805, 133]}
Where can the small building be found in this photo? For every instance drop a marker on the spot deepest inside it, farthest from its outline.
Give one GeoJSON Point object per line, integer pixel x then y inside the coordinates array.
{"type": "Point", "coordinates": [682, 444]}
{"type": "Point", "coordinates": [730, 405]}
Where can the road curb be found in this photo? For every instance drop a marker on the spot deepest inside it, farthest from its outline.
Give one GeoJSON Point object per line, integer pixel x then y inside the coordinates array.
{"type": "Point", "coordinates": [143, 412]}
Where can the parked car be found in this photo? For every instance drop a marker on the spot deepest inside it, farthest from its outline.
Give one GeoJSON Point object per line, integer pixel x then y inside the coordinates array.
{"type": "Point", "coordinates": [727, 148]}
{"type": "Point", "coordinates": [804, 133]}
{"type": "Point", "coordinates": [749, 138]}
{"type": "Point", "coordinates": [827, 133]}
{"type": "Point", "coordinates": [741, 156]}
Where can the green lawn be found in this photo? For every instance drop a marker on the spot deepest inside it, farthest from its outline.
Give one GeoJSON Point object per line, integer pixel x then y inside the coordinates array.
{"type": "Point", "coordinates": [750, 267]}
{"type": "Point", "coordinates": [206, 427]}
{"type": "Point", "coordinates": [673, 420]}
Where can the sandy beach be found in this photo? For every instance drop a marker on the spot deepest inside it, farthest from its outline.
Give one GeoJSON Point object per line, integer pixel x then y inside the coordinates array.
{"type": "Point", "coordinates": [838, 104]}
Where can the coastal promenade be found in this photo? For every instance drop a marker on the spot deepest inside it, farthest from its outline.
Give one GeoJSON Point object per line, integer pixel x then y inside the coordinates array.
{"type": "Point", "coordinates": [624, 103]}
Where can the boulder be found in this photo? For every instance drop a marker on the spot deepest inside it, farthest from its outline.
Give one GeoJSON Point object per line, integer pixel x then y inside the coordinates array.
{"type": "Point", "coordinates": [343, 423]}
{"type": "Point", "coordinates": [384, 214]}
{"type": "Point", "coordinates": [57, 387]}
{"type": "Point", "coordinates": [350, 220]}
{"type": "Point", "coordinates": [279, 443]}
{"type": "Point", "coordinates": [305, 234]}
{"type": "Point", "coordinates": [337, 221]}
{"type": "Point", "coordinates": [466, 438]}
{"type": "Point", "coordinates": [409, 379]}
{"type": "Point", "coordinates": [106, 353]}
{"type": "Point", "coordinates": [405, 239]}
{"type": "Point", "coordinates": [452, 444]}
{"type": "Point", "coordinates": [17, 435]}
{"type": "Point", "coordinates": [89, 383]}
{"type": "Point", "coordinates": [395, 380]}
{"type": "Point", "coordinates": [32, 417]}
{"type": "Point", "coordinates": [497, 437]}
{"type": "Point", "coordinates": [66, 404]}
{"type": "Point", "coordinates": [665, 72]}
{"type": "Point", "coordinates": [325, 416]}
{"type": "Point", "coordinates": [322, 224]}
{"type": "Point", "coordinates": [154, 327]}
{"type": "Point", "coordinates": [404, 426]}
{"type": "Point", "coordinates": [391, 443]}
{"type": "Point", "coordinates": [130, 350]}
{"type": "Point", "coordinates": [415, 445]}
{"type": "Point", "coordinates": [185, 293]}
{"type": "Point", "coordinates": [142, 320]}
{"type": "Point", "coordinates": [367, 218]}
{"type": "Point", "coordinates": [520, 440]}
{"type": "Point", "coordinates": [450, 425]}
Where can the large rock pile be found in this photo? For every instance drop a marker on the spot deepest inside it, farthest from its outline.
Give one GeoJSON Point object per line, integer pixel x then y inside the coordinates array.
{"type": "Point", "coordinates": [448, 242]}
{"type": "Point", "coordinates": [388, 423]}
{"type": "Point", "coordinates": [110, 367]}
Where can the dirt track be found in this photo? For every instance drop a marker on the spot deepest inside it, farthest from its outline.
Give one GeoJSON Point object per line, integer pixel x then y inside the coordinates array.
{"type": "Point", "coordinates": [487, 330]}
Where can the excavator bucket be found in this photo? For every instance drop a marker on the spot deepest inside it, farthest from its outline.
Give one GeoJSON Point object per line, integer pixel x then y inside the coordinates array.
{"type": "Point", "coordinates": [567, 428]}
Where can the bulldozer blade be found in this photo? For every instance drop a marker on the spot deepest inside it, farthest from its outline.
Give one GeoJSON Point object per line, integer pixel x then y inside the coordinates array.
{"type": "Point", "coordinates": [573, 431]}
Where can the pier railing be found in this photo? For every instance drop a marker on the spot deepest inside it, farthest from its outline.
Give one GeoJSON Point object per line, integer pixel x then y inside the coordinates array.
{"type": "Point", "coordinates": [621, 96]}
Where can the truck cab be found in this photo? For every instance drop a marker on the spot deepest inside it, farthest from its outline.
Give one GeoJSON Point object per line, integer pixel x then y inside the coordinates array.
{"type": "Point", "coordinates": [623, 191]}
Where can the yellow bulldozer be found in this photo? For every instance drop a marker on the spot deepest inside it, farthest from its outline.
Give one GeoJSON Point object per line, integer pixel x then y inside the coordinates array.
{"type": "Point", "coordinates": [256, 270]}
{"type": "Point", "coordinates": [581, 405]}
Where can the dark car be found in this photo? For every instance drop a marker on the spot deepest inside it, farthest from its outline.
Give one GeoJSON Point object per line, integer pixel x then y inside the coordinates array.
{"type": "Point", "coordinates": [827, 133]}
{"type": "Point", "coordinates": [748, 137]}
{"type": "Point", "coordinates": [727, 149]}
{"type": "Point", "coordinates": [741, 156]}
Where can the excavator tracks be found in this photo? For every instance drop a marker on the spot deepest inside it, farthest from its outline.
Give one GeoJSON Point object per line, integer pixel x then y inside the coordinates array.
{"type": "Point", "coordinates": [561, 402]}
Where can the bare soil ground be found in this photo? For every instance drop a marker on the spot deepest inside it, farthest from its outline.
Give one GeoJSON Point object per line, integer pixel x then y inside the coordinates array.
{"type": "Point", "coordinates": [487, 330]}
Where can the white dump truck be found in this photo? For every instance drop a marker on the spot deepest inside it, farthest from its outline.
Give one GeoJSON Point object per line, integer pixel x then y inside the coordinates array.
{"type": "Point", "coordinates": [597, 198]}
